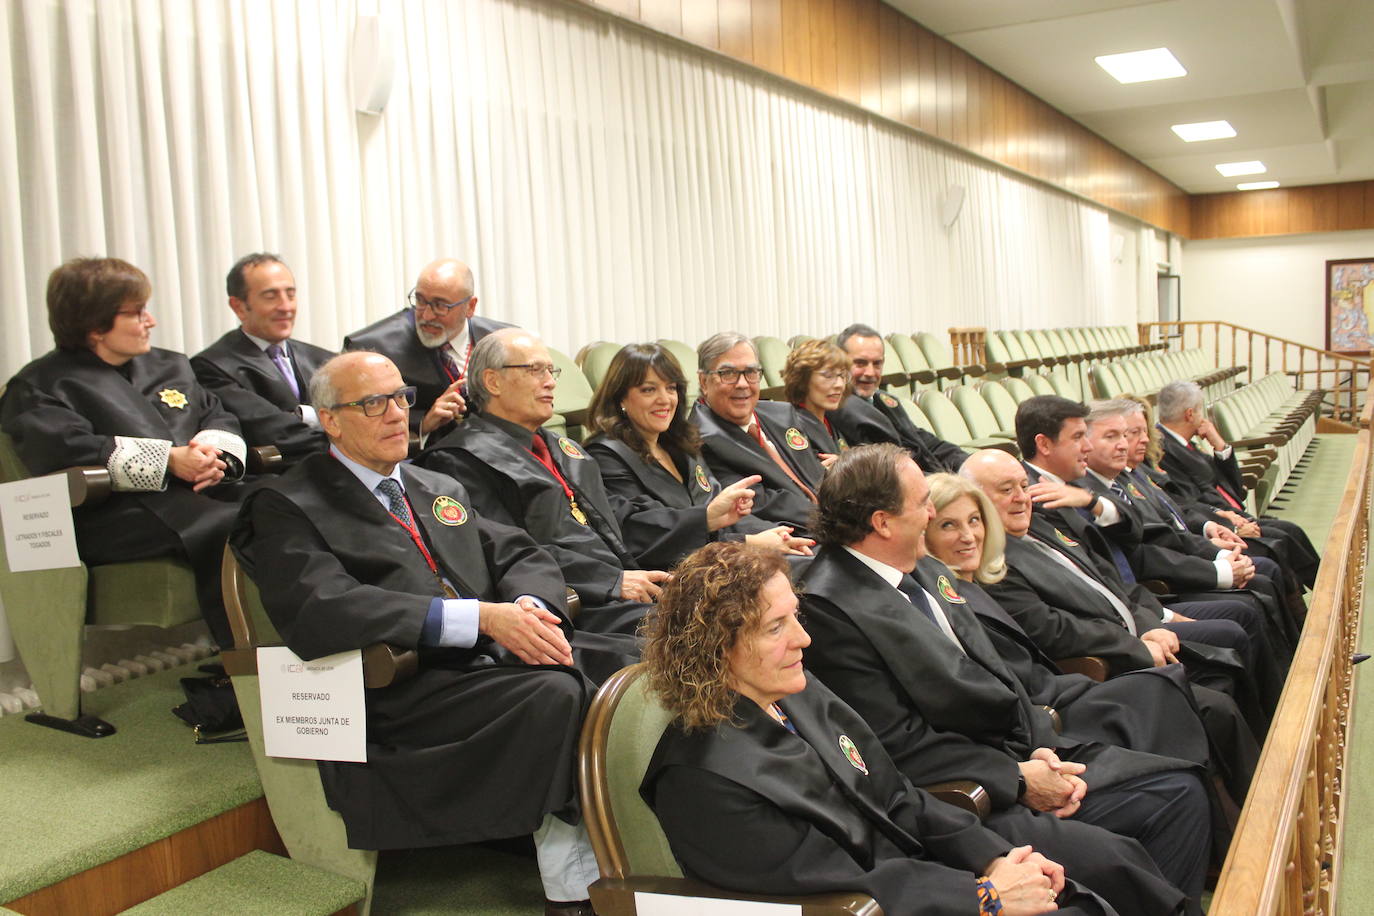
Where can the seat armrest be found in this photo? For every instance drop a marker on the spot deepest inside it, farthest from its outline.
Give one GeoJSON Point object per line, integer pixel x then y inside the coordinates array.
{"type": "Point", "coordinates": [772, 393]}
{"type": "Point", "coordinates": [265, 459]}
{"type": "Point", "coordinates": [893, 378]}
{"type": "Point", "coordinates": [1089, 665]}
{"type": "Point", "coordinates": [89, 486]}
{"type": "Point", "coordinates": [1155, 586]}
{"type": "Point", "coordinates": [950, 372]}
{"type": "Point", "coordinates": [1011, 448]}
{"type": "Point", "coordinates": [574, 603]}
{"type": "Point", "coordinates": [1259, 440]}
{"type": "Point", "coordinates": [963, 793]}
{"type": "Point", "coordinates": [1055, 719]}
{"type": "Point", "coordinates": [383, 664]}
{"type": "Point", "coordinates": [924, 376]}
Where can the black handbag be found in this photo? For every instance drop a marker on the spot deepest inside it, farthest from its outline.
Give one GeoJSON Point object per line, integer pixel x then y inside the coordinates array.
{"type": "Point", "coordinates": [211, 708]}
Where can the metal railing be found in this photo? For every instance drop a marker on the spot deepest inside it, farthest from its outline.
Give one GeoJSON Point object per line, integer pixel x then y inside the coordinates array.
{"type": "Point", "coordinates": [1344, 378]}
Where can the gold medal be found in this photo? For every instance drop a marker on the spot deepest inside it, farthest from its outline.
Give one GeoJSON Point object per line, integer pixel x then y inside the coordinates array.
{"type": "Point", "coordinates": [448, 589]}
{"type": "Point", "coordinates": [578, 515]}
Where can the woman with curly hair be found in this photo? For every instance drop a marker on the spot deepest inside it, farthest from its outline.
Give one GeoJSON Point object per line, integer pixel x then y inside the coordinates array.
{"type": "Point", "coordinates": [666, 499]}
{"type": "Point", "coordinates": [765, 782]}
{"type": "Point", "coordinates": [815, 379]}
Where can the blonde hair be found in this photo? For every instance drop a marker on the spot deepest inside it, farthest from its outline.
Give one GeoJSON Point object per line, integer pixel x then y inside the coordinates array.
{"type": "Point", "coordinates": [947, 488]}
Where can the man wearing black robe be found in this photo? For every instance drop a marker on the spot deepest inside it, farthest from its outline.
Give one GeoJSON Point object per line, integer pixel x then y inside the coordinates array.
{"type": "Point", "coordinates": [871, 415]}
{"type": "Point", "coordinates": [524, 475]}
{"type": "Point", "coordinates": [893, 638]}
{"type": "Point", "coordinates": [352, 548]}
{"type": "Point", "coordinates": [258, 372]}
{"type": "Point", "coordinates": [431, 342]}
{"type": "Point", "coordinates": [742, 436]}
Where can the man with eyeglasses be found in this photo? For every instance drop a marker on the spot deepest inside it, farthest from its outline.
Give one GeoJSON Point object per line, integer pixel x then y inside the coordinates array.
{"type": "Point", "coordinates": [742, 436]}
{"type": "Point", "coordinates": [873, 415]}
{"type": "Point", "coordinates": [431, 342]}
{"type": "Point", "coordinates": [257, 370]}
{"type": "Point", "coordinates": [355, 547]}
{"type": "Point", "coordinates": [525, 475]}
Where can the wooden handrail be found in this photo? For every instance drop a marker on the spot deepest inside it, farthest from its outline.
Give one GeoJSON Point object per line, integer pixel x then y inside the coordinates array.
{"type": "Point", "coordinates": [1344, 378]}
{"type": "Point", "coordinates": [1285, 857]}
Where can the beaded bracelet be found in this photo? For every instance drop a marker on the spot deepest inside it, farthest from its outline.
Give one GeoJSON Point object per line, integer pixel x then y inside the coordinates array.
{"type": "Point", "coordinates": [989, 903]}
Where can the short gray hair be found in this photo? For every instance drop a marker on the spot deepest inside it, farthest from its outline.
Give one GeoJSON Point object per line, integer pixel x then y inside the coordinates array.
{"type": "Point", "coordinates": [490, 353]}
{"type": "Point", "coordinates": [717, 345]}
{"type": "Point", "coordinates": [1176, 399]}
{"type": "Point", "coordinates": [324, 394]}
{"type": "Point", "coordinates": [857, 330]}
{"type": "Point", "coordinates": [1116, 407]}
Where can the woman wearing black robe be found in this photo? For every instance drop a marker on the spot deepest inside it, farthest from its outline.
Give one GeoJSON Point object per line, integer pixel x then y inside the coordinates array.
{"type": "Point", "coordinates": [766, 782]}
{"type": "Point", "coordinates": [106, 397]}
{"type": "Point", "coordinates": [665, 498]}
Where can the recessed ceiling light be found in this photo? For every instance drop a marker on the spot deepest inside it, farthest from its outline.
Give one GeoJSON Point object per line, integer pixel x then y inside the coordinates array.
{"type": "Point", "coordinates": [1204, 130]}
{"type": "Point", "coordinates": [1256, 185]}
{"type": "Point", "coordinates": [1140, 66]}
{"type": "Point", "coordinates": [1232, 169]}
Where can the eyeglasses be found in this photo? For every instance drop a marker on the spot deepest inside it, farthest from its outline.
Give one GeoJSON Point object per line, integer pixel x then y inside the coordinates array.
{"type": "Point", "coordinates": [536, 369]}
{"type": "Point", "coordinates": [831, 375]}
{"type": "Point", "coordinates": [730, 375]}
{"type": "Point", "coordinates": [438, 307]}
{"type": "Point", "coordinates": [141, 313]}
{"type": "Point", "coordinates": [375, 405]}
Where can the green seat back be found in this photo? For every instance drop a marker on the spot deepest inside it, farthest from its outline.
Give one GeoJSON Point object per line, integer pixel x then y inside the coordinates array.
{"type": "Point", "coordinates": [936, 350]}
{"type": "Point", "coordinates": [687, 359]}
{"type": "Point", "coordinates": [1019, 388]}
{"type": "Point", "coordinates": [773, 356]}
{"type": "Point", "coordinates": [596, 361]}
{"type": "Point", "coordinates": [949, 423]}
{"type": "Point", "coordinates": [1039, 384]}
{"type": "Point", "coordinates": [1001, 403]}
{"type": "Point", "coordinates": [978, 417]}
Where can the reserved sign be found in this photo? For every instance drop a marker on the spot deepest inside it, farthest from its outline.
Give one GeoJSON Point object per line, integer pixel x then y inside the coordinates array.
{"type": "Point", "coordinates": [312, 710]}
{"type": "Point", "coordinates": [37, 518]}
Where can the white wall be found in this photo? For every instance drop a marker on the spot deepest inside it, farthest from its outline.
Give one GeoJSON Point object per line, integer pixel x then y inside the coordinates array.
{"type": "Point", "coordinates": [1275, 285]}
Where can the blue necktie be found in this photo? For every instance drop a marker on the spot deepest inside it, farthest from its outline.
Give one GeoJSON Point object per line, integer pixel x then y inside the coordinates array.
{"type": "Point", "coordinates": [399, 507]}
{"type": "Point", "coordinates": [278, 356]}
{"type": "Point", "coordinates": [917, 596]}
{"type": "Point", "coordinates": [1163, 498]}
{"type": "Point", "coordinates": [1123, 568]}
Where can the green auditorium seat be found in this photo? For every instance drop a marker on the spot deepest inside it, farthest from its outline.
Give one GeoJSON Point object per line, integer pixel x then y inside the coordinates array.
{"type": "Point", "coordinates": [939, 358]}
{"type": "Point", "coordinates": [796, 340]}
{"type": "Point", "coordinates": [48, 610]}
{"type": "Point", "coordinates": [997, 349]}
{"type": "Point", "coordinates": [773, 355]}
{"type": "Point", "coordinates": [687, 359]}
{"type": "Point", "coordinates": [949, 423]}
{"type": "Point", "coordinates": [573, 395]}
{"type": "Point", "coordinates": [978, 416]}
{"type": "Point", "coordinates": [1001, 402]}
{"type": "Point", "coordinates": [1039, 384]}
{"type": "Point", "coordinates": [912, 361]}
{"type": "Point", "coordinates": [1021, 388]}
{"type": "Point", "coordinates": [595, 360]}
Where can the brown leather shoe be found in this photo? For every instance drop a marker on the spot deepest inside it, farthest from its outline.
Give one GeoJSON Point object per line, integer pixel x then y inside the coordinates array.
{"type": "Point", "coordinates": [568, 908]}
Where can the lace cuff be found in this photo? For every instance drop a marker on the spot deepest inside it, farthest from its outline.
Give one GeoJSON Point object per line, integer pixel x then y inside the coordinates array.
{"type": "Point", "coordinates": [229, 445]}
{"type": "Point", "coordinates": [138, 464]}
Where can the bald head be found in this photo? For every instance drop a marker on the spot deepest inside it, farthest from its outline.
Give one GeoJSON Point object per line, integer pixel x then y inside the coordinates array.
{"type": "Point", "coordinates": [337, 389]}
{"type": "Point", "coordinates": [444, 301]}
{"type": "Point", "coordinates": [511, 376]}
{"type": "Point", "coordinates": [1003, 479]}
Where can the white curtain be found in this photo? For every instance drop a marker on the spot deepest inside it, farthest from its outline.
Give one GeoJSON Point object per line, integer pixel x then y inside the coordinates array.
{"type": "Point", "coordinates": [603, 182]}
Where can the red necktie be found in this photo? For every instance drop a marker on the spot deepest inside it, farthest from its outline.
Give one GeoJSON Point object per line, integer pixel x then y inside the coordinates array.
{"type": "Point", "coordinates": [1222, 491]}
{"type": "Point", "coordinates": [540, 450]}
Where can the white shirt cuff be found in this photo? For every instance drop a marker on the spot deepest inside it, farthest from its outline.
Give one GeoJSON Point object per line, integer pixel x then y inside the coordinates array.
{"type": "Point", "coordinates": [1223, 565]}
{"type": "Point", "coordinates": [459, 628]}
{"type": "Point", "coordinates": [311, 418]}
{"type": "Point", "coordinates": [1110, 516]}
{"type": "Point", "coordinates": [1168, 615]}
{"type": "Point", "coordinates": [1224, 453]}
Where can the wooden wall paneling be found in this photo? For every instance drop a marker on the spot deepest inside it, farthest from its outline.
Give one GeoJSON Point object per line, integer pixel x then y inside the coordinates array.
{"type": "Point", "coordinates": [1349, 205]}
{"type": "Point", "coordinates": [822, 27]}
{"type": "Point", "coordinates": [1368, 204]}
{"type": "Point", "coordinates": [768, 40]}
{"type": "Point", "coordinates": [958, 96]}
{"type": "Point", "coordinates": [973, 104]}
{"type": "Point", "coordinates": [848, 82]}
{"type": "Point", "coordinates": [626, 8]}
{"type": "Point", "coordinates": [944, 114]}
{"type": "Point", "coordinates": [866, 16]}
{"type": "Point", "coordinates": [1326, 205]}
{"type": "Point", "coordinates": [701, 23]}
{"type": "Point", "coordinates": [912, 88]}
{"type": "Point", "coordinates": [663, 15]}
{"type": "Point", "coordinates": [927, 80]}
{"type": "Point", "coordinates": [735, 22]}
{"type": "Point", "coordinates": [796, 41]}
{"type": "Point", "coordinates": [890, 54]}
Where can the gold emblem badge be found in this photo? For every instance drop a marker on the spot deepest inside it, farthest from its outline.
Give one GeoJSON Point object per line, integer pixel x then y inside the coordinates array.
{"type": "Point", "coordinates": [701, 479]}
{"type": "Point", "coordinates": [796, 440]}
{"type": "Point", "coordinates": [947, 591]}
{"type": "Point", "coordinates": [1065, 539]}
{"type": "Point", "coordinates": [449, 511]}
{"type": "Point", "coordinates": [888, 399]}
{"type": "Point", "coordinates": [570, 448]}
{"type": "Point", "coordinates": [578, 515]}
{"type": "Point", "coordinates": [1134, 491]}
{"type": "Point", "coordinates": [173, 398]}
{"type": "Point", "coordinates": [852, 754]}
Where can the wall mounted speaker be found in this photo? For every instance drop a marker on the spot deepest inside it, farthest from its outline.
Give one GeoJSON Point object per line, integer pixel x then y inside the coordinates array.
{"type": "Point", "coordinates": [373, 63]}
{"type": "Point", "coordinates": [951, 205]}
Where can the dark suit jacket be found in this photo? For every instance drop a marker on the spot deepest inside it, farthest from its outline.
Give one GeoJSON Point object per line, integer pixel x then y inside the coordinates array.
{"type": "Point", "coordinates": [1194, 475]}
{"type": "Point", "coordinates": [748, 806]}
{"type": "Point", "coordinates": [394, 337]}
{"type": "Point", "coordinates": [734, 455]}
{"type": "Point", "coordinates": [248, 384]}
{"type": "Point", "coordinates": [510, 485]}
{"type": "Point", "coordinates": [822, 440]}
{"type": "Point", "coordinates": [661, 519]}
{"type": "Point", "coordinates": [882, 419]}
{"type": "Point", "coordinates": [336, 572]}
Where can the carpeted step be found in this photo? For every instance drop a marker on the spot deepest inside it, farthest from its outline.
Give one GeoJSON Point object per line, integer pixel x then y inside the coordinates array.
{"type": "Point", "coordinates": [257, 883]}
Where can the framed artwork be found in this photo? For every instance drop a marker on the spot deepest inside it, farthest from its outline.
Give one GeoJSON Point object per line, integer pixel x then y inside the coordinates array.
{"type": "Point", "coordinates": [1350, 306]}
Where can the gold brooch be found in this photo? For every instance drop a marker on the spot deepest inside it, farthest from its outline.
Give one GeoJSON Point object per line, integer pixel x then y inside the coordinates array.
{"type": "Point", "coordinates": [173, 398]}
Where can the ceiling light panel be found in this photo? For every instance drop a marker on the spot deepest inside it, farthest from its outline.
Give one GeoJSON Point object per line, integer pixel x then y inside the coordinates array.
{"type": "Point", "coordinates": [1256, 185]}
{"type": "Point", "coordinates": [1204, 130]}
{"type": "Point", "coordinates": [1142, 66]}
{"type": "Point", "coordinates": [1232, 169]}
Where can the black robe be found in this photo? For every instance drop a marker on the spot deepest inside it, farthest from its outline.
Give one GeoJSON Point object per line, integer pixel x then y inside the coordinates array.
{"type": "Point", "coordinates": [70, 407]}
{"type": "Point", "coordinates": [661, 518]}
{"type": "Point", "coordinates": [477, 745]}
{"type": "Point", "coordinates": [251, 387]}
{"type": "Point", "coordinates": [734, 455]}
{"type": "Point", "coordinates": [942, 715]}
{"type": "Point", "coordinates": [394, 337]}
{"type": "Point", "coordinates": [751, 807]}
{"type": "Point", "coordinates": [509, 485]}
{"type": "Point", "coordinates": [882, 419]}
{"type": "Point", "coordinates": [825, 440]}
